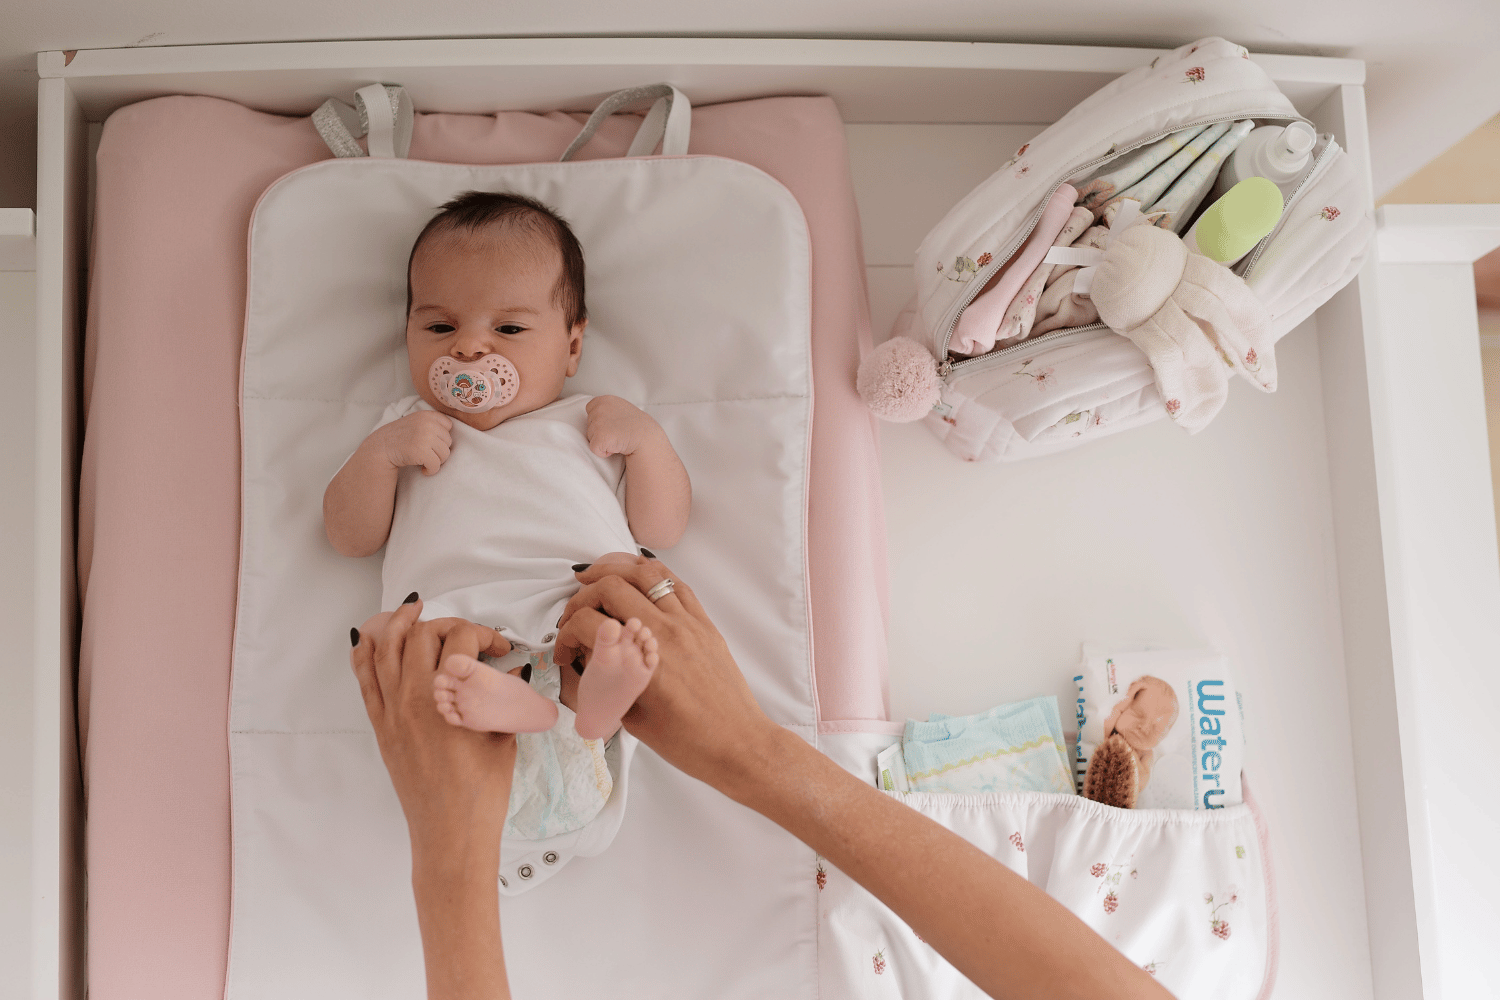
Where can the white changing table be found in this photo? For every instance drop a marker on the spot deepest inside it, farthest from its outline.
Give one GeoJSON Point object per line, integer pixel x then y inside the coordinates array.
{"type": "Point", "coordinates": [1301, 533]}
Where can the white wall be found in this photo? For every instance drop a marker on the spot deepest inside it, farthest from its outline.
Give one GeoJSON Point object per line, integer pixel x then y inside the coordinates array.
{"type": "Point", "coordinates": [17, 421]}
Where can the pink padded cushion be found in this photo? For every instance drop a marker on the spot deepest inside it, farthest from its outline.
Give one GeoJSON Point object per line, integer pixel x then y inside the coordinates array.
{"type": "Point", "coordinates": [159, 496]}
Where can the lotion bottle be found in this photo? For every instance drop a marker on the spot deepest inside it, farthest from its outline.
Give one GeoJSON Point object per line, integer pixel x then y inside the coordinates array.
{"type": "Point", "coordinates": [1279, 154]}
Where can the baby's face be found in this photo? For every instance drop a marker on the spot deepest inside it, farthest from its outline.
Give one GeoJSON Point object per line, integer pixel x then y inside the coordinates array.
{"type": "Point", "coordinates": [1146, 720]}
{"type": "Point", "coordinates": [491, 292]}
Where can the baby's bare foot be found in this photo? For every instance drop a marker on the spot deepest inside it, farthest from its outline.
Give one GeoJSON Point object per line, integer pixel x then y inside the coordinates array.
{"type": "Point", "coordinates": [478, 697]}
{"type": "Point", "coordinates": [617, 673]}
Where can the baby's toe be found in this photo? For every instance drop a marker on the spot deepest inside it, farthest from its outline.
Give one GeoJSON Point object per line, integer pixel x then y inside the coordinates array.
{"type": "Point", "coordinates": [608, 634]}
{"type": "Point", "coordinates": [459, 666]}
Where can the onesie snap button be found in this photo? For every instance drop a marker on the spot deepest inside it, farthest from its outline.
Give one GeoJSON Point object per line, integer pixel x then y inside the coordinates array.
{"type": "Point", "coordinates": [503, 882]}
{"type": "Point", "coordinates": [549, 637]}
{"type": "Point", "coordinates": [550, 857]}
{"type": "Point", "coordinates": [525, 871]}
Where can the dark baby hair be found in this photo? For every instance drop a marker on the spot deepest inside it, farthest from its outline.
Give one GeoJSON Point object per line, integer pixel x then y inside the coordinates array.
{"type": "Point", "coordinates": [475, 211]}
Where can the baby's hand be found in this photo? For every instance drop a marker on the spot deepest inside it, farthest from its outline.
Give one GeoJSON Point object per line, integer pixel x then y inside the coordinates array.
{"type": "Point", "coordinates": [422, 438]}
{"type": "Point", "coordinates": [616, 427]}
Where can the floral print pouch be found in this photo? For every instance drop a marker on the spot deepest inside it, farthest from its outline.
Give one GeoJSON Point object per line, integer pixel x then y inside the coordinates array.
{"type": "Point", "coordinates": [1061, 385]}
{"type": "Point", "coordinates": [1187, 896]}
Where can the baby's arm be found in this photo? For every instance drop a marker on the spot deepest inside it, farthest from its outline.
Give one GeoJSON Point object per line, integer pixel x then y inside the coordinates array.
{"type": "Point", "coordinates": [358, 504]}
{"type": "Point", "coordinates": [658, 496]}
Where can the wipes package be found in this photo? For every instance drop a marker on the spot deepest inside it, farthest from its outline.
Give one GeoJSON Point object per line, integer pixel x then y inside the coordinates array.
{"type": "Point", "coordinates": [1015, 747]}
{"type": "Point", "coordinates": [1159, 729]}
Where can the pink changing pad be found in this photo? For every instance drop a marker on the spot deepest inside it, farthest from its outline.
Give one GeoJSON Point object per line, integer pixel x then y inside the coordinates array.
{"type": "Point", "coordinates": [177, 178]}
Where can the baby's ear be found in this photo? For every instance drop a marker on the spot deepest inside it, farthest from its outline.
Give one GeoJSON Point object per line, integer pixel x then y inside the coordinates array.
{"type": "Point", "coordinates": [575, 347]}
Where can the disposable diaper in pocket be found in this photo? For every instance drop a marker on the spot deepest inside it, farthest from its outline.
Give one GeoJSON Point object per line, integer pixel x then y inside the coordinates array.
{"type": "Point", "coordinates": [1015, 747]}
{"type": "Point", "coordinates": [1179, 710]}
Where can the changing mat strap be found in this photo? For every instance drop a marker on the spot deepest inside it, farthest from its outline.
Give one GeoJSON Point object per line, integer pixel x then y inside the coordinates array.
{"type": "Point", "coordinates": [668, 122]}
{"type": "Point", "coordinates": [383, 111]}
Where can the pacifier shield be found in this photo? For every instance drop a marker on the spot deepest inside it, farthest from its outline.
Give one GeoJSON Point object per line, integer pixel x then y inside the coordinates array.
{"type": "Point", "coordinates": [474, 386]}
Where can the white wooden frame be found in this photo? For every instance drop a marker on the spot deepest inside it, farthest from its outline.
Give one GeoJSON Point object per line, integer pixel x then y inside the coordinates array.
{"type": "Point", "coordinates": [872, 81]}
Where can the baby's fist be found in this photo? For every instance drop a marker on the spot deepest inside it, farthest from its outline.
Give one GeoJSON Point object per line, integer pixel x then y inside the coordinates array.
{"type": "Point", "coordinates": [616, 427]}
{"type": "Point", "coordinates": [422, 438]}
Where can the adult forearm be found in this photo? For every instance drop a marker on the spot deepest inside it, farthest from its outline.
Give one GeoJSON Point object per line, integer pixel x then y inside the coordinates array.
{"type": "Point", "coordinates": [458, 911]}
{"type": "Point", "coordinates": [1005, 934]}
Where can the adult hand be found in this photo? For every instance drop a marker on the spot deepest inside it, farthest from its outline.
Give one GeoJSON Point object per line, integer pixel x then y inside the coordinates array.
{"type": "Point", "coordinates": [697, 712]}
{"type": "Point", "coordinates": [454, 787]}
{"type": "Point", "coordinates": [453, 783]}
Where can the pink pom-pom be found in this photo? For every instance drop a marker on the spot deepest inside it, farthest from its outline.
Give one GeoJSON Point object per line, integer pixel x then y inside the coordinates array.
{"type": "Point", "coordinates": [899, 380]}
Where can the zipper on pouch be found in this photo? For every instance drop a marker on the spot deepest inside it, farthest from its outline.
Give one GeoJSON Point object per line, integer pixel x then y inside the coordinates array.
{"type": "Point", "coordinates": [947, 366]}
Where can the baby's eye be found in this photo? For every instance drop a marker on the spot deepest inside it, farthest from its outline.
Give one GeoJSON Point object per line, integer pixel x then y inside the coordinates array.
{"type": "Point", "coordinates": [509, 328]}
{"type": "Point", "coordinates": [443, 328]}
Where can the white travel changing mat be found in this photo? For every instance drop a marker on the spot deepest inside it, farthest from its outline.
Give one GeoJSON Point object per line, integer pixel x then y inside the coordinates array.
{"type": "Point", "coordinates": [698, 279]}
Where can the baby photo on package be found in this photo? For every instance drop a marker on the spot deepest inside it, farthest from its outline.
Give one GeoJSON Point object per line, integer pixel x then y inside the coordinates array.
{"type": "Point", "coordinates": [1159, 729]}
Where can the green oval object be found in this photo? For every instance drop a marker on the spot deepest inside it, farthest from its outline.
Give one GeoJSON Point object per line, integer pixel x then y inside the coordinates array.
{"type": "Point", "coordinates": [1231, 226]}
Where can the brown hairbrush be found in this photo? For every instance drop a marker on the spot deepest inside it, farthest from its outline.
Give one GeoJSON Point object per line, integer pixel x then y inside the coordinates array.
{"type": "Point", "coordinates": [1114, 774]}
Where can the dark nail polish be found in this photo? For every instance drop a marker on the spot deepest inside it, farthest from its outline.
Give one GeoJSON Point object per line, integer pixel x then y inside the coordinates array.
{"type": "Point", "coordinates": [559, 622]}
{"type": "Point", "coordinates": [648, 553]}
{"type": "Point", "coordinates": [578, 668]}
{"type": "Point", "coordinates": [354, 637]}
{"type": "Point", "coordinates": [526, 673]}
{"type": "Point", "coordinates": [580, 567]}
{"type": "Point", "coordinates": [411, 598]}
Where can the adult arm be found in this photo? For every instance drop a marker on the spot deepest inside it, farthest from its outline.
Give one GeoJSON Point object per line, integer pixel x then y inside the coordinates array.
{"type": "Point", "coordinates": [454, 787]}
{"type": "Point", "coordinates": [1010, 938]}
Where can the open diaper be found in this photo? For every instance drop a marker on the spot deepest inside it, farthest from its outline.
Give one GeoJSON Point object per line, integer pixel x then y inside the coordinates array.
{"type": "Point", "coordinates": [699, 297]}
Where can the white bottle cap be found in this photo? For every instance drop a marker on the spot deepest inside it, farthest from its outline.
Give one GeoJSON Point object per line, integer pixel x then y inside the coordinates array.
{"type": "Point", "coordinates": [1289, 151]}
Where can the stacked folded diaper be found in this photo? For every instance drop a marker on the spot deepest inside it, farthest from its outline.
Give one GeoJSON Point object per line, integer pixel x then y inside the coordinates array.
{"type": "Point", "coordinates": [1159, 729]}
{"type": "Point", "coordinates": [1016, 747]}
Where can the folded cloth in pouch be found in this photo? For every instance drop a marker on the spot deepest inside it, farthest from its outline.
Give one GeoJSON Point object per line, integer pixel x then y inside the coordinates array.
{"type": "Point", "coordinates": [1016, 747]}
{"type": "Point", "coordinates": [1179, 713]}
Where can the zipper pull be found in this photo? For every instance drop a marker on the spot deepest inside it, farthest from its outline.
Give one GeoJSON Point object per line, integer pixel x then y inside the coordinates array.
{"type": "Point", "coordinates": [945, 368]}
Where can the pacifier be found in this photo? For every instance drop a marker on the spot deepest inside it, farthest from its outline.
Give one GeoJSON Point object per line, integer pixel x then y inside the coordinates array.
{"type": "Point", "coordinates": [474, 386]}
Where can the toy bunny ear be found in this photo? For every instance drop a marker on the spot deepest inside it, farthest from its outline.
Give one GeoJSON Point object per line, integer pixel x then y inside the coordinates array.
{"type": "Point", "coordinates": [899, 380]}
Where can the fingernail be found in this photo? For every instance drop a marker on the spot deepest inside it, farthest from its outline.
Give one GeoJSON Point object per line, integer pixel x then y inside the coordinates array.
{"type": "Point", "coordinates": [559, 622]}
{"type": "Point", "coordinates": [648, 553]}
{"type": "Point", "coordinates": [354, 637]}
{"type": "Point", "coordinates": [411, 598]}
{"type": "Point", "coordinates": [526, 673]}
{"type": "Point", "coordinates": [579, 568]}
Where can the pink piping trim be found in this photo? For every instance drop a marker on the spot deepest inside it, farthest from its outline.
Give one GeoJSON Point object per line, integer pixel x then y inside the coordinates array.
{"type": "Point", "coordinates": [1273, 922]}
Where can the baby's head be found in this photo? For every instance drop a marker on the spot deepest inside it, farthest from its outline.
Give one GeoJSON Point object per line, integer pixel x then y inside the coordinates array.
{"type": "Point", "coordinates": [1146, 714]}
{"type": "Point", "coordinates": [496, 274]}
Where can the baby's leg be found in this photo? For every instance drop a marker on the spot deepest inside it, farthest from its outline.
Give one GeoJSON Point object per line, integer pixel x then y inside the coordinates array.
{"type": "Point", "coordinates": [618, 671]}
{"type": "Point", "coordinates": [476, 696]}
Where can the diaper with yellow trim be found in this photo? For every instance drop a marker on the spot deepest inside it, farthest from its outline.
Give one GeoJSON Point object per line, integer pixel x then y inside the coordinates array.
{"type": "Point", "coordinates": [562, 780]}
{"type": "Point", "coordinates": [1016, 747]}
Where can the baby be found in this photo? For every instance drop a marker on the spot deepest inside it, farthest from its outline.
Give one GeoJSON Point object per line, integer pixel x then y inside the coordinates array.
{"type": "Point", "coordinates": [489, 486]}
{"type": "Point", "coordinates": [1120, 767]}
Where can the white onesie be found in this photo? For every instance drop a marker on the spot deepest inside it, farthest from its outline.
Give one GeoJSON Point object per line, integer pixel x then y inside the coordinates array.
{"type": "Point", "coordinates": [493, 538]}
